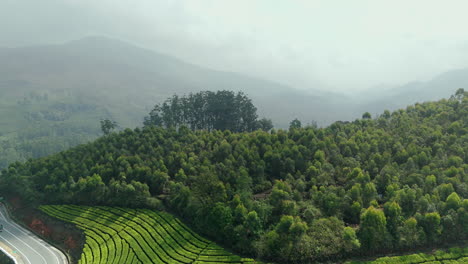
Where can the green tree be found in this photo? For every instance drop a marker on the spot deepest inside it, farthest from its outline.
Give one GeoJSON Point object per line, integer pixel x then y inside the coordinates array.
{"type": "Point", "coordinates": [373, 229]}
{"type": "Point", "coordinates": [329, 238]}
{"type": "Point", "coordinates": [431, 225]}
{"type": "Point", "coordinates": [369, 193]}
{"type": "Point", "coordinates": [265, 124]}
{"type": "Point", "coordinates": [351, 242]}
{"type": "Point", "coordinates": [410, 234]}
{"type": "Point", "coordinates": [208, 189]}
{"type": "Point", "coordinates": [394, 217]}
{"type": "Point", "coordinates": [253, 224]}
{"type": "Point", "coordinates": [366, 115]}
{"type": "Point", "coordinates": [453, 202]}
{"type": "Point", "coordinates": [295, 124]}
{"type": "Point", "coordinates": [219, 221]}
{"type": "Point", "coordinates": [107, 126]}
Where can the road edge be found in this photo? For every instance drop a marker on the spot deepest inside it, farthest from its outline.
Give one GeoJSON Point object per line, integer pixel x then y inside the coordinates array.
{"type": "Point", "coordinates": [9, 255]}
{"type": "Point", "coordinates": [49, 243]}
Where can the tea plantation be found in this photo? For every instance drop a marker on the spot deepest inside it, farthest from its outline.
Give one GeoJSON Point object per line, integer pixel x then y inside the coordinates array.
{"type": "Point", "coordinates": [117, 235]}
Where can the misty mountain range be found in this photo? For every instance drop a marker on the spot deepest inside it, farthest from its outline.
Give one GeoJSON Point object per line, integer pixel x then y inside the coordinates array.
{"type": "Point", "coordinates": [127, 81]}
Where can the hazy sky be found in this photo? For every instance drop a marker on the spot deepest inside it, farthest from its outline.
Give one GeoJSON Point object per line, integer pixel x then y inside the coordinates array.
{"type": "Point", "coordinates": [338, 45]}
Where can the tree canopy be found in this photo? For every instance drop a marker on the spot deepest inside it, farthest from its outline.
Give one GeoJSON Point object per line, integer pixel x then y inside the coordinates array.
{"type": "Point", "coordinates": [221, 110]}
{"type": "Point", "coordinates": [373, 185]}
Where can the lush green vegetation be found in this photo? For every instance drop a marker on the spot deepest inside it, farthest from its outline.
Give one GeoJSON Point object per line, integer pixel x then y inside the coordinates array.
{"type": "Point", "coordinates": [117, 235]}
{"type": "Point", "coordinates": [451, 256]}
{"type": "Point", "coordinates": [375, 185]}
{"type": "Point", "coordinates": [39, 123]}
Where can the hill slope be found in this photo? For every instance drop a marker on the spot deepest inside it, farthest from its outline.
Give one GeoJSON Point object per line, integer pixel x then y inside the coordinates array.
{"type": "Point", "coordinates": [113, 73]}
{"type": "Point", "coordinates": [366, 187]}
{"type": "Point", "coordinates": [377, 99]}
{"type": "Point", "coordinates": [53, 96]}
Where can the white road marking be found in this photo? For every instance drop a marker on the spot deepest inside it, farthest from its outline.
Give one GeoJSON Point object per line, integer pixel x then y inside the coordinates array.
{"type": "Point", "coordinates": [20, 229]}
{"type": "Point", "coordinates": [33, 237]}
{"type": "Point", "coordinates": [17, 249]}
{"type": "Point", "coordinates": [45, 261]}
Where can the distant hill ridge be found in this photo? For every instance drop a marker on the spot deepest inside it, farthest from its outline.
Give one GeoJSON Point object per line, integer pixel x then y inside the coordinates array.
{"type": "Point", "coordinates": [115, 72]}
{"type": "Point", "coordinates": [100, 77]}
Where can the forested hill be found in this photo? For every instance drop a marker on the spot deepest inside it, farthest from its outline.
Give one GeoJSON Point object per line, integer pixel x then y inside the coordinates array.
{"type": "Point", "coordinates": [53, 96]}
{"type": "Point", "coordinates": [379, 184]}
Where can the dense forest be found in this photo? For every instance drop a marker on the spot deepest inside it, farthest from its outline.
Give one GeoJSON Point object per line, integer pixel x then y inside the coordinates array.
{"type": "Point", "coordinates": [375, 185]}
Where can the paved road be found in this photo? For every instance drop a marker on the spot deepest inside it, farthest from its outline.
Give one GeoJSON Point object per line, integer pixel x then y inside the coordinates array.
{"type": "Point", "coordinates": [24, 246]}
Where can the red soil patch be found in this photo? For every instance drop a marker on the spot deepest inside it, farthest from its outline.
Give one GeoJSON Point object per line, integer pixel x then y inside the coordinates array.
{"type": "Point", "coordinates": [71, 243]}
{"type": "Point", "coordinates": [39, 227]}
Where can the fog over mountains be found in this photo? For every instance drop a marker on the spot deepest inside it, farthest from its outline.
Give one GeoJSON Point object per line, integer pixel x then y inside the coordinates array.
{"type": "Point", "coordinates": [127, 81]}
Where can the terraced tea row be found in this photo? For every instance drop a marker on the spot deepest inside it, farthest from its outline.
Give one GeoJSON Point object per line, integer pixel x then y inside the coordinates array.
{"type": "Point", "coordinates": [117, 235]}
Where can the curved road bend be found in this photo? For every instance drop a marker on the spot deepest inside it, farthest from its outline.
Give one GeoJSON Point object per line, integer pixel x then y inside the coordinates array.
{"type": "Point", "coordinates": [26, 247]}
